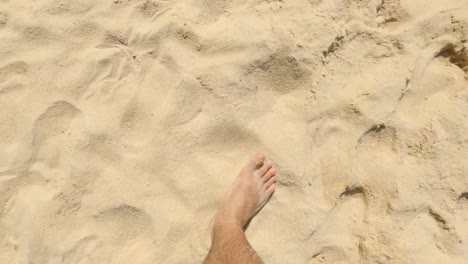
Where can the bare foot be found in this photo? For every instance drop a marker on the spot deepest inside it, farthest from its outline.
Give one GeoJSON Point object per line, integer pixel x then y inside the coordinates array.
{"type": "Point", "coordinates": [250, 191]}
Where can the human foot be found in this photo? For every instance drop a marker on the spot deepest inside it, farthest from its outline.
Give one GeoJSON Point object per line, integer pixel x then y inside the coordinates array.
{"type": "Point", "coordinates": [250, 191]}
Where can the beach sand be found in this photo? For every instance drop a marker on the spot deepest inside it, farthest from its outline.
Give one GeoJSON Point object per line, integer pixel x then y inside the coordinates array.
{"type": "Point", "coordinates": [123, 122]}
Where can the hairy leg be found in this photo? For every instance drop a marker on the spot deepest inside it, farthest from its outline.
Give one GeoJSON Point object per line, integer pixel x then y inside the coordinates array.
{"type": "Point", "coordinates": [231, 246]}
{"type": "Point", "coordinates": [250, 192]}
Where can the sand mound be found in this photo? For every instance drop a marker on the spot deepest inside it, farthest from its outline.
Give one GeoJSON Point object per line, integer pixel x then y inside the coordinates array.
{"type": "Point", "coordinates": [122, 123]}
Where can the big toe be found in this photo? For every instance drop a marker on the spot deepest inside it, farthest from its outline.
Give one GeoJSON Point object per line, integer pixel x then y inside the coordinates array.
{"type": "Point", "coordinates": [257, 160]}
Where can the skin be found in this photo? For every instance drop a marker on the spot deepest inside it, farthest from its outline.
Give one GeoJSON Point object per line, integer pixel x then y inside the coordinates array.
{"type": "Point", "coordinates": [250, 191]}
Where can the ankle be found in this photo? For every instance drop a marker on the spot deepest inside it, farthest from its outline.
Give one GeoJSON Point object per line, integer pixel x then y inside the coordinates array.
{"type": "Point", "coordinates": [224, 230]}
{"type": "Point", "coordinates": [225, 221]}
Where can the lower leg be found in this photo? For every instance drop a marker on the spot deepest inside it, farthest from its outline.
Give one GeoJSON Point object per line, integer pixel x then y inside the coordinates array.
{"type": "Point", "coordinates": [250, 192]}
{"type": "Point", "coordinates": [231, 246]}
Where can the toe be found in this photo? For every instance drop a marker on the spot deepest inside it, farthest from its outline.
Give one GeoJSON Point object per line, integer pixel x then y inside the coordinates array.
{"type": "Point", "coordinates": [266, 167]}
{"type": "Point", "coordinates": [270, 182]}
{"type": "Point", "coordinates": [271, 189]}
{"type": "Point", "coordinates": [257, 160]}
{"type": "Point", "coordinates": [270, 173]}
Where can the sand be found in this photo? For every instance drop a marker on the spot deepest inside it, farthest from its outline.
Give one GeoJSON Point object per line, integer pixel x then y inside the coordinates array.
{"type": "Point", "coordinates": [123, 122]}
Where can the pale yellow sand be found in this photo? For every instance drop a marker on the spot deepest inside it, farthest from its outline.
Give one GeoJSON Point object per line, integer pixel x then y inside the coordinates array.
{"type": "Point", "coordinates": [122, 123]}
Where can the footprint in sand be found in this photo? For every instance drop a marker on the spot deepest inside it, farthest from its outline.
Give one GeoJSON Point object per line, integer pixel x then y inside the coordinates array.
{"type": "Point", "coordinates": [279, 71]}
{"type": "Point", "coordinates": [12, 77]}
{"type": "Point", "coordinates": [338, 238]}
{"type": "Point", "coordinates": [55, 120]}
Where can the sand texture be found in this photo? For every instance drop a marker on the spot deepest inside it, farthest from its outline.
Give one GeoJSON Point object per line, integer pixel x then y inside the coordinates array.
{"type": "Point", "coordinates": [122, 123]}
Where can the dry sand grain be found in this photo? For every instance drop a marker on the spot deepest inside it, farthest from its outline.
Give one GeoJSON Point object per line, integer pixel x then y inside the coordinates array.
{"type": "Point", "coordinates": [122, 123]}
